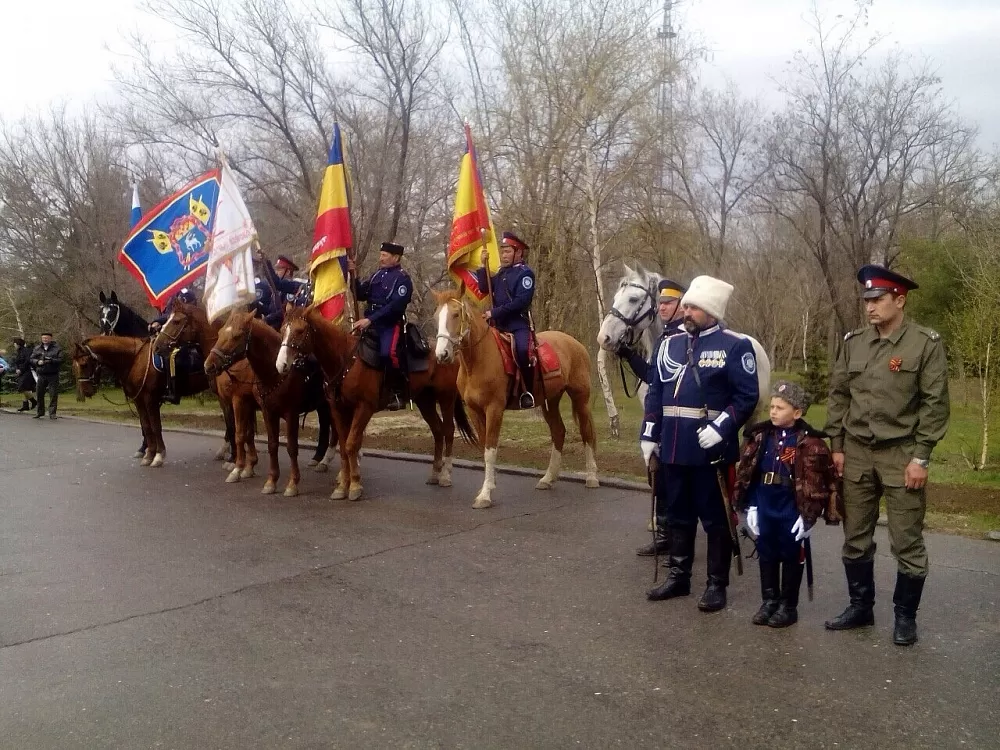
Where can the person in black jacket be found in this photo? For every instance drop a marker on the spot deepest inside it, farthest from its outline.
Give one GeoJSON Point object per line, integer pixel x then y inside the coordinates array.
{"type": "Point", "coordinates": [46, 359]}
{"type": "Point", "coordinates": [24, 380]}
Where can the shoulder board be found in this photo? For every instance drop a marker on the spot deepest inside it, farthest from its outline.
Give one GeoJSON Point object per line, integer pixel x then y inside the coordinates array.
{"type": "Point", "coordinates": [929, 333]}
{"type": "Point", "coordinates": [851, 334]}
{"type": "Point", "coordinates": [402, 272]}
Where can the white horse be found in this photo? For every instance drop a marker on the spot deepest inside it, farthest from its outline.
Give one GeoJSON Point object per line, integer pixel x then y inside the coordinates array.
{"type": "Point", "coordinates": [630, 322]}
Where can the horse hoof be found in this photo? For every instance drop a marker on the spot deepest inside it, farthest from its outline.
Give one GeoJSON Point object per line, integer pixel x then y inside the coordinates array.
{"type": "Point", "coordinates": [339, 493]}
{"type": "Point", "coordinates": [312, 463]}
{"type": "Point", "coordinates": [268, 488]}
{"type": "Point", "coordinates": [543, 484]}
{"type": "Point", "coordinates": [157, 462]}
{"type": "Point", "coordinates": [482, 502]}
{"type": "Point", "coordinates": [291, 490]}
{"type": "Point", "coordinates": [234, 476]}
{"type": "Point", "coordinates": [433, 479]}
{"type": "Point", "coordinates": [321, 468]}
{"type": "Point", "coordinates": [592, 483]}
{"type": "Point", "coordinates": [355, 493]}
{"type": "Point", "coordinates": [247, 473]}
{"type": "Point", "coordinates": [146, 461]}
{"type": "Point", "coordinates": [444, 483]}
{"type": "Point", "coordinates": [228, 466]}
{"type": "Point", "coordinates": [138, 454]}
{"type": "Point", "coordinates": [220, 455]}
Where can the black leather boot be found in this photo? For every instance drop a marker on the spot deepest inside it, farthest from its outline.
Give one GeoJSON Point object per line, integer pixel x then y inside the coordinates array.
{"type": "Point", "coordinates": [659, 547]}
{"type": "Point", "coordinates": [769, 588]}
{"type": "Point", "coordinates": [527, 400]}
{"type": "Point", "coordinates": [861, 587]}
{"type": "Point", "coordinates": [34, 403]}
{"type": "Point", "coordinates": [25, 406]}
{"type": "Point", "coordinates": [907, 600]}
{"type": "Point", "coordinates": [720, 557]}
{"type": "Point", "coordinates": [791, 582]}
{"type": "Point", "coordinates": [681, 559]}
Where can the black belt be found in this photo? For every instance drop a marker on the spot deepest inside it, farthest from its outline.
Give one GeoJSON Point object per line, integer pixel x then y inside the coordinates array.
{"type": "Point", "coordinates": [773, 477]}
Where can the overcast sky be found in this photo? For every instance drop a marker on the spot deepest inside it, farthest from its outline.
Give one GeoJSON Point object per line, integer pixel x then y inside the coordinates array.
{"type": "Point", "coordinates": [54, 50]}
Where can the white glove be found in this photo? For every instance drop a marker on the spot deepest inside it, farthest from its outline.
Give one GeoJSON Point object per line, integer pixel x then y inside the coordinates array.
{"type": "Point", "coordinates": [752, 521]}
{"type": "Point", "coordinates": [648, 449]}
{"type": "Point", "coordinates": [800, 531]}
{"type": "Point", "coordinates": [708, 437]}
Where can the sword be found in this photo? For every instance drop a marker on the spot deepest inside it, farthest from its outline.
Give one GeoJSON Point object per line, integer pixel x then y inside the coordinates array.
{"type": "Point", "coordinates": [654, 467]}
{"type": "Point", "coordinates": [807, 548]}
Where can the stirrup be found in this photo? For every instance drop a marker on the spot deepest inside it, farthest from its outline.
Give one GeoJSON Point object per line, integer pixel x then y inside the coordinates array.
{"type": "Point", "coordinates": [395, 403]}
{"type": "Point", "coordinates": [527, 400]}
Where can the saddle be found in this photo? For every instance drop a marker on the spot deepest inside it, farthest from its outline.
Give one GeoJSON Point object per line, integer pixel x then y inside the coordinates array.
{"type": "Point", "coordinates": [415, 355]}
{"type": "Point", "coordinates": [545, 360]}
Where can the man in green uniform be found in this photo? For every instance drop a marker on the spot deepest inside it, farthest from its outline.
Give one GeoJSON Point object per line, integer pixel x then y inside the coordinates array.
{"type": "Point", "coordinates": [888, 409]}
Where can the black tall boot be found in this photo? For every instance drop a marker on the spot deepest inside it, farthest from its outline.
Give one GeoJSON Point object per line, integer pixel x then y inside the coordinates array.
{"type": "Point", "coordinates": [661, 545]}
{"type": "Point", "coordinates": [770, 581]}
{"type": "Point", "coordinates": [907, 599]}
{"type": "Point", "coordinates": [681, 559]}
{"type": "Point", "coordinates": [34, 403]}
{"type": "Point", "coordinates": [861, 587]}
{"type": "Point", "coordinates": [25, 406]}
{"type": "Point", "coordinates": [791, 582]}
{"type": "Point", "coordinates": [720, 557]}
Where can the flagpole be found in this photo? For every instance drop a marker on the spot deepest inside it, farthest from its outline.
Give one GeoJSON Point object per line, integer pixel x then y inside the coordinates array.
{"type": "Point", "coordinates": [352, 276]}
{"type": "Point", "coordinates": [486, 265]}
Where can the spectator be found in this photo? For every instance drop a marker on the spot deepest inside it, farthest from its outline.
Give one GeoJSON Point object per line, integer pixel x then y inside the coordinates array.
{"type": "Point", "coordinates": [25, 381]}
{"type": "Point", "coordinates": [47, 359]}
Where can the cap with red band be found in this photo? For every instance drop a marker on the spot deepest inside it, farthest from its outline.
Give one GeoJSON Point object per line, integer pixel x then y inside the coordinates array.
{"type": "Point", "coordinates": [878, 280]}
{"type": "Point", "coordinates": [512, 240]}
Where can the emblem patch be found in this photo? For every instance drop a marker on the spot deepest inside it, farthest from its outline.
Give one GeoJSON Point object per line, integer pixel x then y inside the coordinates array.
{"type": "Point", "coordinates": [402, 291]}
{"type": "Point", "coordinates": [648, 432]}
{"type": "Point", "coordinates": [749, 363]}
{"type": "Point", "coordinates": [526, 282]}
{"type": "Point", "coordinates": [895, 364]}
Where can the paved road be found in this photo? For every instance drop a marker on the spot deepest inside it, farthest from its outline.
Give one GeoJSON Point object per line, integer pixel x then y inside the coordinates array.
{"type": "Point", "coordinates": [163, 608]}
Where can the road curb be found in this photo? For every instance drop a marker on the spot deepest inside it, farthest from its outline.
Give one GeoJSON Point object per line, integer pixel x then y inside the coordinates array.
{"type": "Point", "coordinates": [420, 458]}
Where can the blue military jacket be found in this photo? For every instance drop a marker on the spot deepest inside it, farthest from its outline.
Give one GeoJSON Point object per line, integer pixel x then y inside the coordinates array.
{"type": "Point", "coordinates": [513, 290]}
{"type": "Point", "coordinates": [727, 369]}
{"type": "Point", "coordinates": [640, 366]}
{"type": "Point", "coordinates": [387, 292]}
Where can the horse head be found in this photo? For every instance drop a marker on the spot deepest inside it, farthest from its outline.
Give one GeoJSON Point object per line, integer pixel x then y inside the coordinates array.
{"type": "Point", "coordinates": [110, 312]}
{"type": "Point", "coordinates": [296, 337]}
{"type": "Point", "coordinates": [633, 309]}
{"type": "Point", "coordinates": [184, 326]}
{"type": "Point", "coordinates": [233, 343]}
{"type": "Point", "coordinates": [86, 371]}
{"type": "Point", "coordinates": [454, 321]}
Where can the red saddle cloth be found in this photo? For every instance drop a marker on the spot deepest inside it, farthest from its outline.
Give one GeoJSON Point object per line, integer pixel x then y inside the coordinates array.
{"type": "Point", "coordinates": [544, 354]}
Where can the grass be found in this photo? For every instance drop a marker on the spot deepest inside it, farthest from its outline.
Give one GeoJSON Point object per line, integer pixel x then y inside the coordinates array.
{"type": "Point", "coordinates": [960, 499]}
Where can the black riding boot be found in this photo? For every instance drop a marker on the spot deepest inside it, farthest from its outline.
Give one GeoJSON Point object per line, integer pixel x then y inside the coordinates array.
{"type": "Point", "coordinates": [25, 406]}
{"type": "Point", "coordinates": [769, 588]}
{"type": "Point", "coordinates": [661, 545]}
{"type": "Point", "coordinates": [34, 403]}
{"type": "Point", "coordinates": [170, 392]}
{"type": "Point", "coordinates": [791, 582]}
{"type": "Point", "coordinates": [720, 557]}
{"type": "Point", "coordinates": [861, 587]}
{"type": "Point", "coordinates": [907, 599]}
{"type": "Point", "coordinates": [680, 561]}
{"type": "Point", "coordinates": [527, 398]}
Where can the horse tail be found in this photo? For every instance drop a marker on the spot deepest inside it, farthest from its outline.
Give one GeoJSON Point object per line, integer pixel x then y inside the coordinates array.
{"type": "Point", "coordinates": [465, 427]}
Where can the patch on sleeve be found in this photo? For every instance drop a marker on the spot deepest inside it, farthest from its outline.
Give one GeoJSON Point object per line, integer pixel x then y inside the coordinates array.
{"type": "Point", "coordinates": [749, 363]}
{"type": "Point", "coordinates": [647, 429]}
{"type": "Point", "coordinates": [526, 282]}
{"type": "Point", "coordinates": [402, 290]}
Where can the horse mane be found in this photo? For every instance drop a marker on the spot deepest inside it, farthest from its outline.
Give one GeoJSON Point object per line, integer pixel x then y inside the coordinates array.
{"type": "Point", "coordinates": [114, 344]}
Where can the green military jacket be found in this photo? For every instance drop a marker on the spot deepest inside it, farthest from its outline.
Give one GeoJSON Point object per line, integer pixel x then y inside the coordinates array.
{"type": "Point", "coordinates": [884, 391]}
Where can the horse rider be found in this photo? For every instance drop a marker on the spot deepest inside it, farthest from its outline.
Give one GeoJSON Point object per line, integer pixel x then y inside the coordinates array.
{"type": "Point", "coordinates": [704, 388]}
{"type": "Point", "coordinates": [189, 356]}
{"type": "Point", "coordinates": [283, 273]}
{"type": "Point", "coordinates": [513, 290]}
{"type": "Point", "coordinates": [387, 291]}
{"type": "Point", "coordinates": [668, 308]}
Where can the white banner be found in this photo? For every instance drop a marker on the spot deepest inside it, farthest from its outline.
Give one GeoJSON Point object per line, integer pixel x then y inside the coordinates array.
{"type": "Point", "coordinates": [229, 279]}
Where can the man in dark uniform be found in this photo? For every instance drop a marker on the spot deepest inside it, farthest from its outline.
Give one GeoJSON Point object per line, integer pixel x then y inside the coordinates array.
{"type": "Point", "coordinates": [388, 291]}
{"type": "Point", "coordinates": [189, 357]}
{"type": "Point", "coordinates": [704, 388]}
{"type": "Point", "coordinates": [46, 359]}
{"type": "Point", "coordinates": [671, 317]}
{"type": "Point", "coordinates": [888, 409]}
{"type": "Point", "coordinates": [282, 273]}
{"type": "Point", "coordinates": [513, 291]}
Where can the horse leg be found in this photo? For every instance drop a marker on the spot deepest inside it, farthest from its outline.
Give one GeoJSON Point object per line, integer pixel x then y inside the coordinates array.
{"type": "Point", "coordinates": [161, 449]}
{"type": "Point", "coordinates": [323, 443]}
{"type": "Point", "coordinates": [557, 431]}
{"type": "Point", "coordinates": [342, 418]}
{"type": "Point", "coordinates": [240, 453]}
{"type": "Point", "coordinates": [585, 420]}
{"type": "Point", "coordinates": [228, 447]}
{"type": "Point", "coordinates": [428, 410]}
{"type": "Point", "coordinates": [362, 415]}
{"type": "Point", "coordinates": [251, 444]}
{"type": "Point", "coordinates": [147, 432]}
{"type": "Point", "coordinates": [493, 421]}
{"type": "Point", "coordinates": [447, 407]}
{"type": "Point", "coordinates": [272, 421]}
{"type": "Point", "coordinates": [292, 424]}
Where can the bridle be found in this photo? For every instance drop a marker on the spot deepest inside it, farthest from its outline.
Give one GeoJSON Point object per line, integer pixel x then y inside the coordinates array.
{"type": "Point", "coordinates": [464, 327]}
{"type": "Point", "coordinates": [173, 340]}
{"type": "Point", "coordinates": [227, 360]}
{"type": "Point", "coordinates": [106, 320]}
{"type": "Point", "coordinates": [301, 349]}
{"type": "Point", "coordinates": [643, 313]}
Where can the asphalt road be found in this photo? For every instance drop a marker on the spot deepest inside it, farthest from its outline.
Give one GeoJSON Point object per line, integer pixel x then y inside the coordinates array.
{"type": "Point", "coordinates": [148, 608]}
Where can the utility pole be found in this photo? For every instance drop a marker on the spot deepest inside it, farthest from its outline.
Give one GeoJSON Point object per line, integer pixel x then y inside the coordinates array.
{"type": "Point", "coordinates": [664, 178]}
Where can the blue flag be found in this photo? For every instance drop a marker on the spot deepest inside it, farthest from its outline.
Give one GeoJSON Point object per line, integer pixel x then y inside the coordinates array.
{"type": "Point", "coordinates": [168, 247]}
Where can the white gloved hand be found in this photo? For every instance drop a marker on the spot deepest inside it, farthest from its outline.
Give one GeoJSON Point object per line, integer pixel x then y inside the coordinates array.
{"type": "Point", "coordinates": [752, 521]}
{"type": "Point", "coordinates": [708, 437]}
{"type": "Point", "coordinates": [648, 449]}
{"type": "Point", "coordinates": [800, 531]}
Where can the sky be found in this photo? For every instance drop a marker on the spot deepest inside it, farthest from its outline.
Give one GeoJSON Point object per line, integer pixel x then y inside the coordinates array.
{"type": "Point", "coordinates": [62, 47]}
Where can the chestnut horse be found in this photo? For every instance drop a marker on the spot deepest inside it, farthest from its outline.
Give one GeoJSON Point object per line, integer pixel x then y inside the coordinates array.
{"type": "Point", "coordinates": [355, 390]}
{"type": "Point", "coordinates": [464, 335]}
{"type": "Point", "coordinates": [279, 397]}
{"type": "Point", "coordinates": [131, 360]}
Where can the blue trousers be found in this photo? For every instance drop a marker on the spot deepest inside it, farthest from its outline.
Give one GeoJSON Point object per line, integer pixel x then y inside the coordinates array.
{"type": "Point", "coordinates": [776, 514]}
{"type": "Point", "coordinates": [690, 494]}
{"type": "Point", "coordinates": [390, 345]}
{"type": "Point", "coordinates": [522, 337]}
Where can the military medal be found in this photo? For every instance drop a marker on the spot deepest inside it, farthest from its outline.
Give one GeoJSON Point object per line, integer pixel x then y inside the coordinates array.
{"type": "Point", "coordinates": [895, 364]}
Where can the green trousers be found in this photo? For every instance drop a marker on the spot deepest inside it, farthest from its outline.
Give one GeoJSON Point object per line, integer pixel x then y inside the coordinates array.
{"type": "Point", "coordinates": [873, 473]}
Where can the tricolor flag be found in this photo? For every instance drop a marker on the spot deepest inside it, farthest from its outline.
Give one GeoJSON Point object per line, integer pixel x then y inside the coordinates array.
{"type": "Point", "coordinates": [332, 236]}
{"type": "Point", "coordinates": [136, 207]}
{"type": "Point", "coordinates": [229, 281]}
{"type": "Point", "coordinates": [471, 227]}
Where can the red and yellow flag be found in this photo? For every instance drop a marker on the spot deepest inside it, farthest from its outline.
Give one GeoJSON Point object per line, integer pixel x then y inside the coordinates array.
{"type": "Point", "coordinates": [332, 237]}
{"type": "Point", "coordinates": [471, 226]}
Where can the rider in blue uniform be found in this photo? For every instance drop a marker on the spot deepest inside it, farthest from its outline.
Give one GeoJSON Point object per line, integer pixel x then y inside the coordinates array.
{"type": "Point", "coordinates": [513, 290]}
{"type": "Point", "coordinates": [274, 289]}
{"type": "Point", "coordinates": [388, 291]}
{"type": "Point", "coordinates": [704, 388]}
{"type": "Point", "coordinates": [185, 359]}
{"type": "Point", "coordinates": [671, 318]}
